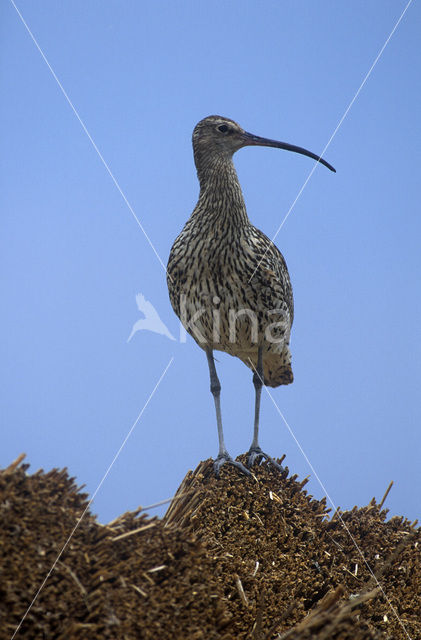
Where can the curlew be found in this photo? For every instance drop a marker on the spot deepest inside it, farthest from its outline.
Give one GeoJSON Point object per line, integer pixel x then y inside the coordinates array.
{"type": "Point", "coordinates": [228, 283]}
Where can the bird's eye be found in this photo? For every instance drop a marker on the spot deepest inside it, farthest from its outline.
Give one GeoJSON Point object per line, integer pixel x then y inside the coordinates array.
{"type": "Point", "coordinates": [223, 128]}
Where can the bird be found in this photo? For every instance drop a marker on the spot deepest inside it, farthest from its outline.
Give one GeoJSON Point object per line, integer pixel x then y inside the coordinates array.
{"type": "Point", "coordinates": [227, 281]}
{"type": "Point", "coordinates": [151, 321]}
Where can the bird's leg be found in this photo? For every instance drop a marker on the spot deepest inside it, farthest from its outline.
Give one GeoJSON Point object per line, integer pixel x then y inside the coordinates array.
{"type": "Point", "coordinates": [215, 387]}
{"type": "Point", "coordinates": [258, 384]}
{"type": "Point", "coordinates": [255, 452]}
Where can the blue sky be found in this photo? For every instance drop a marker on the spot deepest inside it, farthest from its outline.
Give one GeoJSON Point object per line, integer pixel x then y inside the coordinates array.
{"type": "Point", "coordinates": [73, 257]}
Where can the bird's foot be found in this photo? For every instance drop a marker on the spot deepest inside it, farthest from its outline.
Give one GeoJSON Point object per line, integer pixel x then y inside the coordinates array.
{"type": "Point", "coordinates": [225, 458]}
{"type": "Point", "coordinates": [255, 455]}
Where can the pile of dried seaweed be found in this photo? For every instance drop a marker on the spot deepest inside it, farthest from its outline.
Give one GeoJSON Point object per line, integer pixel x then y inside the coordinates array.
{"type": "Point", "coordinates": [233, 558]}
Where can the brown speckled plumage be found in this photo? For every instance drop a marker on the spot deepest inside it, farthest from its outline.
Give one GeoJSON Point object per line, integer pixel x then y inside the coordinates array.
{"type": "Point", "coordinates": [225, 275]}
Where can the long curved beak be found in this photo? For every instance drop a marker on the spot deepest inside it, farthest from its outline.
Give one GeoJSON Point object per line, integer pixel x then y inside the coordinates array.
{"type": "Point", "coordinates": [252, 140]}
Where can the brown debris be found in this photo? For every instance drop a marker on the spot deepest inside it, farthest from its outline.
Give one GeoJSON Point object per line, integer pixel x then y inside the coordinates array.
{"type": "Point", "coordinates": [234, 558]}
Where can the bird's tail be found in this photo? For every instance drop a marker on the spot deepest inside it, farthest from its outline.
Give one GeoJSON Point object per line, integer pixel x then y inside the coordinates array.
{"type": "Point", "coordinates": [277, 368]}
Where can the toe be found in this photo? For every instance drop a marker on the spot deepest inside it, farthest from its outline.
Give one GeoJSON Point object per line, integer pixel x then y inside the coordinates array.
{"type": "Point", "coordinates": [255, 455]}
{"type": "Point", "coordinates": [226, 459]}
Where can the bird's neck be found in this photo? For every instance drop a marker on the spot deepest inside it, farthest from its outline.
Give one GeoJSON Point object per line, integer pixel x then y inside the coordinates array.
{"type": "Point", "coordinates": [221, 200]}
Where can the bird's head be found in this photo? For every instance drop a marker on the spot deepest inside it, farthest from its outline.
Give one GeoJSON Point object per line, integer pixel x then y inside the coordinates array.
{"type": "Point", "coordinates": [218, 134]}
{"type": "Point", "coordinates": [222, 136]}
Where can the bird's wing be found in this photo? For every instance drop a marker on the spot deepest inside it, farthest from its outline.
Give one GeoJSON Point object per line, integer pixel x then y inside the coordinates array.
{"type": "Point", "coordinates": [272, 269]}
{"type": "Point", "coordinates": [146, 307]}
{"type": "Point", "coordinates": [140, 299]}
